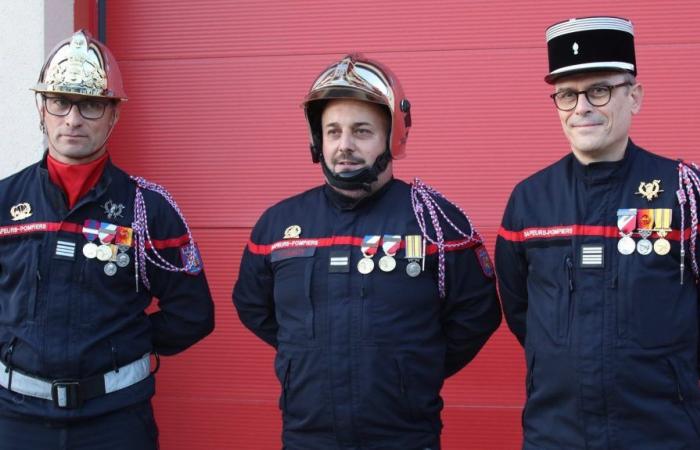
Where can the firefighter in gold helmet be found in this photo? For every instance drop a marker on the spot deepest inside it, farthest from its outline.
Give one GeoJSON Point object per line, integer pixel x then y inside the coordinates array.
{"type": "Point", "coordinates": [84, 247]}
{"type": "Point", "coordinates": [371, 290]}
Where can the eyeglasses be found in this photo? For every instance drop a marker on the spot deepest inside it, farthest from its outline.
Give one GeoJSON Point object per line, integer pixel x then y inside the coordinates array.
{"type": "Point", "coordinates": [567, 99]}
{"type": "Point", "coordinates": [90, 109]}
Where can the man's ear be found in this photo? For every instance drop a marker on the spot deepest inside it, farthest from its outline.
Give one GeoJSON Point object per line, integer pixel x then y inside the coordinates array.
{"type": "Point", "coordinates": [637, 95]}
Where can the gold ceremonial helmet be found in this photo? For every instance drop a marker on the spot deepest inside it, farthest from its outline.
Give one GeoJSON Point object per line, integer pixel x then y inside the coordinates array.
{"type": "Point", "coordinates": [84, 66]}
{"type": "Point", "coordinates": [360, 78]}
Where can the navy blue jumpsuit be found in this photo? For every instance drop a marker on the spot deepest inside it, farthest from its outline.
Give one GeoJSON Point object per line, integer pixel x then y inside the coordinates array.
{"type": "Point", "coordinates": [611, 339]}
{"type": "Point", "coordinates": [63, 317]}
{"type": "Point", "coordinates": [361, 358]}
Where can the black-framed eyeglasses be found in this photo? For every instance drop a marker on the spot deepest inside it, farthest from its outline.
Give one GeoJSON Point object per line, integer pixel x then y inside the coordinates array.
{"type": "Point", "coordinates": [90, 109]}
{"type": "Point", "coordinates": [599, 95]}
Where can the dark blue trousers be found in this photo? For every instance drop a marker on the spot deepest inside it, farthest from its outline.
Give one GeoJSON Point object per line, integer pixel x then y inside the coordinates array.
{"type": "Point", "coordinates": [132, 428]}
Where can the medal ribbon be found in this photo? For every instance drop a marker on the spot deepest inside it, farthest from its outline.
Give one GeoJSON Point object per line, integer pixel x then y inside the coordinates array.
{"type": "Point", "coordinates": [662, 219]}
{"type": "Point", "coordinates": [391, 244]}
{"type": "Point", "coordinates": [414, 246]}
{"type": "Point", "coordinates": [91, 229]}
{"type": "Point", "coordinates": [626, 220]}
{"type": "Point", "coordinates": [107, 232]}
{"type": "Point", "coordinates": [370, 245]}
{"type": "Point", "coordinates": [124, 236]}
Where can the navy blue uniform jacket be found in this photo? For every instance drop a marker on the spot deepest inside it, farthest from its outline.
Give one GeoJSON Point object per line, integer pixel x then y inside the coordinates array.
{"type": "Point", "coordinates": [64, 318]}
{"type": "Point", "coordinates": [611, 348]}
{"type": "Point", "coordinates": [361, 358]}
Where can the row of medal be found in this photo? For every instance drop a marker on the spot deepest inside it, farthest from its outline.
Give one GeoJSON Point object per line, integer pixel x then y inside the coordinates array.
{"type": "Point", "coordinates": [390, 243]}
{"type": "Point", "coordinates": [646, 222]}
{"type": "Point", "coordinates": [114, 244]}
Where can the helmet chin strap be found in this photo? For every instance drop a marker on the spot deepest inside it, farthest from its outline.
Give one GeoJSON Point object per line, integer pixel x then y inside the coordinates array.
{"type": "Point", "coordinates": [359, 179]}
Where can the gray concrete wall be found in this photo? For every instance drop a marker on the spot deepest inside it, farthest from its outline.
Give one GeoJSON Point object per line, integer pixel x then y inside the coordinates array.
{"type": "Point", "coordinates": [29, 29]}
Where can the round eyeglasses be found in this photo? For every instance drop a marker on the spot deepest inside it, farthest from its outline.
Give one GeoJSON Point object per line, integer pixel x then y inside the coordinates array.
{"type": "Point", "coordinates": [90, 109]}
{"type": "Point", "coordinates": [600, 95]}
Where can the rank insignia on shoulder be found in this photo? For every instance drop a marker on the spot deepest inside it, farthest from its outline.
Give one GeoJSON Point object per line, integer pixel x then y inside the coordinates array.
{"type": "Point", "coordinates": [292, 232]}
{"type": "Point", "coordinates": [21, 211]}
{"type": "Point", "coordinates": [649, 191]}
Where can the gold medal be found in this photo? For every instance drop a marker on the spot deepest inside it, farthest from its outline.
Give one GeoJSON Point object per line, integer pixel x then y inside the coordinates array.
{"type": "Point", "coordinates": [104, 253]}
{"type": "Point", "coordinates": [662, 246]}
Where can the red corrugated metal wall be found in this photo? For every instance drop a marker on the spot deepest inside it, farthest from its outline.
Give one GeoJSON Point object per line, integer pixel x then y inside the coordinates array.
{"type": "Point", "coordinates": [215, 87]}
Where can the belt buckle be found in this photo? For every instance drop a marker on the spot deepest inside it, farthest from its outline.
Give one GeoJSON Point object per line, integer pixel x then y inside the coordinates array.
{"type": "Point", "coordinates": [66, 394]}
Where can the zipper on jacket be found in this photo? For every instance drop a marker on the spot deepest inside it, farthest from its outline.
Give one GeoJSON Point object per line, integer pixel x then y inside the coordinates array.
{"type": "Point", "coordinates": [564, 307]}
{"type": "Point", "coordinates": [31, 305]}
{"type": "Point", "coordinates": [308, 277]}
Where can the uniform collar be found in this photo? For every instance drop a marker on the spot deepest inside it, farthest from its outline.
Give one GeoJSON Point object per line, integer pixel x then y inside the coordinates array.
{"type": "Point", "coordinates": [604, 171]}
{"type": "Point", "coordinates": [345, 203]}
{"type": "Point", "coordinates": [58, 198]}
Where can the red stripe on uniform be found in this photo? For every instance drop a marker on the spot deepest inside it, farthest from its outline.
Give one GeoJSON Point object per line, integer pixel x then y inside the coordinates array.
{"type": "Point", "coordinates": [567, 231]}
{"type": "Point", "coordinates": [266, 249]}
{"type": "Point", "coordinates": [52, 227]}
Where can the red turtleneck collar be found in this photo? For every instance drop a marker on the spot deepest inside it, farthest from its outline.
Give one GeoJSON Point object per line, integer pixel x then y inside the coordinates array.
{"type": "Point", "coordinates": [76, 179]}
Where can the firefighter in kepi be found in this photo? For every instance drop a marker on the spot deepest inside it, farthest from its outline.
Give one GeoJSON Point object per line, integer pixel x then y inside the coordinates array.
{"type": "Point", "coordinates": [83, 249]}
{"type": "Point", "coordinates": [597, 262]}
{"type": "Point", "coordinates": [372, 290]}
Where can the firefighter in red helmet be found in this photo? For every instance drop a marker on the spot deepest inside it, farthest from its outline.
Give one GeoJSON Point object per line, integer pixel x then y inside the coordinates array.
{"type": "Point", "coordinates": [371, 290]}
{"type": "Point", "coordinates": [84, 247]}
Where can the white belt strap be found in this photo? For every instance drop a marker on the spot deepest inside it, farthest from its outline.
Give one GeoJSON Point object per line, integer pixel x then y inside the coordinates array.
{"type": "Point", "coordinates": [58, 390]}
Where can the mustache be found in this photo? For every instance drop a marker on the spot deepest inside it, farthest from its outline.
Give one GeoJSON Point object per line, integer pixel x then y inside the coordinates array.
{"type": "Point", "coordinates": [348, 158]}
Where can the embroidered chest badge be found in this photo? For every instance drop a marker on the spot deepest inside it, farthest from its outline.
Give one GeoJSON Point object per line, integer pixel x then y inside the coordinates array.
{"type": "Point", "coordinates": [292, 232]}
{"type": "Point", "coordinates": [649, 191]}
{"type": "Point", "coordinates": [113, 210]}
{"type": "Point", "coordinates": [21, 211]}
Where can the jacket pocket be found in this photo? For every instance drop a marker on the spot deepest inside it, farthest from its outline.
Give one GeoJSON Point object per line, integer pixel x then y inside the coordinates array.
{"type": "Point", "coordinates": [529, 383]}
{"type": "Point", "coordinates": [282, 369]}
{"type": "Point", "coordinates": [403, 384]}
{"type": "Point", "coordinates": [294, 295]}
{"type": "Point", "coordinates": [686, 394]}
{"type": "Point", "coordinates": [19, 283]}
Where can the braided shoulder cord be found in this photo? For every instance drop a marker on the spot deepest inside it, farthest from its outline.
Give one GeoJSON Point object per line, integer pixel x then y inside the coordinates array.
{"type": "Point", "coordinates": [142, 234]}
{"type": "Point", "coordinates": [423, 197]}
{"type": "Point", "coordinates": [688, 180]}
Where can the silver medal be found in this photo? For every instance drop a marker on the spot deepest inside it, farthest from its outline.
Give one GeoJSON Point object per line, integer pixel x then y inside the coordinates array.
{"type": "Point", "coordinates": [413, 269]}
{"type": "Point", "coordinates": [365, 266]}
{"type": "Point", "coordinates": [104, 252]}
{"type": "Point", "coordinates": [644, 247]}
{"type": "Point", "coordinates": [387, 263]}
{"type": "Point", "coordinates": [123, 260]}
{"type": "Point", "coordinates": [90, 250]}
{"type": "Point", "coordinates": [110, 269]}
{"type": "Point", "coordinates": [626, 245]}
